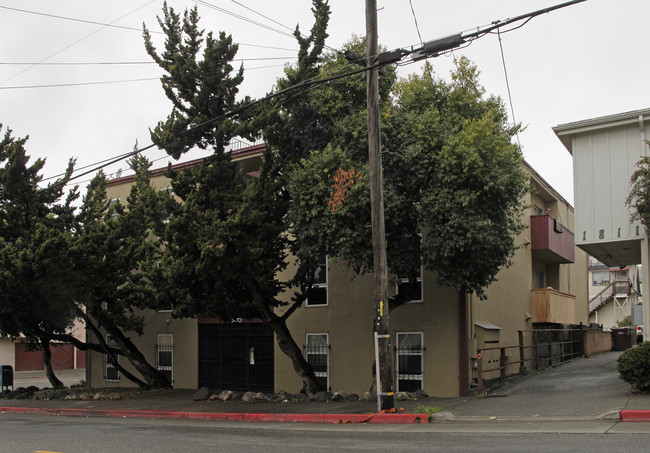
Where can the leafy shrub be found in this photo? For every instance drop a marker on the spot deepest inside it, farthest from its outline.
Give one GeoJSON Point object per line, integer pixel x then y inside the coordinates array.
{"type": "Point", "coordinates": [634, 366]}
{"type": "Point", "coordinates": [625, 322]}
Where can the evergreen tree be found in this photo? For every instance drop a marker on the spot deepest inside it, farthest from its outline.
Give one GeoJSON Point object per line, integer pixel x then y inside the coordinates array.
{"type": "Point", "coordinates": [35, 224]}
{"type": "Point", "coordinates": [225, 244]}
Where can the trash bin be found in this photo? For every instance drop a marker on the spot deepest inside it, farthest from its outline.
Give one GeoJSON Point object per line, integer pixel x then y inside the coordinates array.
{"type": "Point", "coordinates": [7, 377]}
{"type": "Point", "coordinates": [622, 338]}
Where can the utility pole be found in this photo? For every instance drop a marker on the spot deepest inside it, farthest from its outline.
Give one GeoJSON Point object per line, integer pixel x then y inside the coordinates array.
{"type": "Point", "coordinates": [385, 396]}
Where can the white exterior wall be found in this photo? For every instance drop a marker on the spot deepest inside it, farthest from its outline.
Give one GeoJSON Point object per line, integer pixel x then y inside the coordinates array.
{"type": "Point", "coordinates": [603, 165]}
{"type": "Point", "coordinates": [605, 152]}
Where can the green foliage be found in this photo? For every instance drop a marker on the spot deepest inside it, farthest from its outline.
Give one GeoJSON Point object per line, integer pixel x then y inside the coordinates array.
{"type": "Point", "coordinates": [453, 182]}
{"type": "Point", "coordinates": [34, 236]}
{"type": "Point", "coordinates": [634, 366]}
{"type": "Point", "coordinates": [625, 322]}
{"type": "Point", "coordinates": [199, 89]}
{"type": "Point", "coordinates": [639, 197]}
{"type": "Point", "coordinates": [226, 245]}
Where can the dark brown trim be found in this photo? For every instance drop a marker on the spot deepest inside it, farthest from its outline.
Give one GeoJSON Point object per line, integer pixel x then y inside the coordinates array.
{"type": "Point", "coordinates": [463, 344]}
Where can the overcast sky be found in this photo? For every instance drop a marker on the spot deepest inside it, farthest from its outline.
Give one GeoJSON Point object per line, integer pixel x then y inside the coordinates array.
{"type": "Point", "coordinates": [57, 86]}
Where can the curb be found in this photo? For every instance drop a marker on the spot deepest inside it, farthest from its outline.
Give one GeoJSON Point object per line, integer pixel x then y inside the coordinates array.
{"type": "Point", "coordinates": [635, 415]}
{"type": "Point", "coordinates": [211, 416]}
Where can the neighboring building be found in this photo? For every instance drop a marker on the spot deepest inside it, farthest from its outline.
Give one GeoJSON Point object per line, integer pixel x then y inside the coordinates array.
{"type": "Point", "coordinates": [435, 338]}
{"type": "Point", "coordinates": [613, 291]}
{"type": "Point", "coordinates": [64, 355]}
{"type": "Point", "coordinates": [605, 152]}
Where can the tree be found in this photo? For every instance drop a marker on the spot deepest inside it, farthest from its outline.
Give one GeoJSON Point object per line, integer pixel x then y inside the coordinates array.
{"type": "Point", "coordinates": [34, 237]}
{"type": "Point", "coordinates": [639, 197]}
{"type": "Point", "coordinates": [226, 242]}
{"type": "Point", "coordinates": [453, 186]}
{"type": "Point", "coordinates": [113, 256]}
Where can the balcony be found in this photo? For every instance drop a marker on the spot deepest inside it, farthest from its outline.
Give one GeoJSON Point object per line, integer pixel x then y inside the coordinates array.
{"type": "Point", "coordinates": [551, 306]}
{"type": "Point", "coordinates": [551, 242]}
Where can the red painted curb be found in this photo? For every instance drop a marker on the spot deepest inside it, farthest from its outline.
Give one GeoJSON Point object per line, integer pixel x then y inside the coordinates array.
{"type": "Point", "coordinates": [635, 415]}
{"type": "Point", "coordinates": [287, 418]}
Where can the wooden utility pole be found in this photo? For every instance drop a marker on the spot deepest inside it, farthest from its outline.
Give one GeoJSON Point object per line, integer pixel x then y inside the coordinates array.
{"type": "Point", "coordinates": [381, 331]}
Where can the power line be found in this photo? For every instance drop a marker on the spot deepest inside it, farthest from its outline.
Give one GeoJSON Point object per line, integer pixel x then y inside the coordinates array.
{"type": "Point", "coordinates": [61, 85]}
{"type": "Point", "coordinates": [276, 22]}
{"type": "Point", "coordinates": [70, 45]}
{"type": "Point", "coordinates": [505, 72]}
{"type": "Point", "coordinates": [307, 84]}
{"type": "Point", "coordinates": [117, 63]}
{"type": "Point", "coordinates": [415, 19]}
{"type": "Point", "coordinates": [244, 18]}
{"type": "Point", "coordinates": [74, 19]}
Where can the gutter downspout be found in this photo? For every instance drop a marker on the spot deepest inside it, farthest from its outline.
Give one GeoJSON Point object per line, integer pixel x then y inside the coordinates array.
{"type": "Point", "coordinates": [463, 345]}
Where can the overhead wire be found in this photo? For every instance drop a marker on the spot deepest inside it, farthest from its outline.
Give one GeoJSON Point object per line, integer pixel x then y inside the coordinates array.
{"type": "Point", "coordinates": [505, 72]}
{"type": "Point", "coordinates": [304, 84]}
{"type": "Point", "coordinates": [74, 19]}
{"type": "Point", "coordinates": [74, 43]}
{"type": "Point", "coordinates": [415, 19]}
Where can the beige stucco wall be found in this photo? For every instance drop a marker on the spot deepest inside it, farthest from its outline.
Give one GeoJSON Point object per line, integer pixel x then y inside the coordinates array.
{"type": "Point", "coordinates": [348, 317]}
{"type": "Point", "coordinates": [7, 352]}
{"type": "Point", "coordinates": [185, 354]}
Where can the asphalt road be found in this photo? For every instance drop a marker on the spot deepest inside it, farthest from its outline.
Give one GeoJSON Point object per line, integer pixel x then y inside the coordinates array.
{"type": "Point", "coordinates": [83, 435]}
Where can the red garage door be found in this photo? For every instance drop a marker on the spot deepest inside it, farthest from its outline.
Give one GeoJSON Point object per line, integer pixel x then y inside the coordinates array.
{"type": "Point", "coordinates": [62, 357]}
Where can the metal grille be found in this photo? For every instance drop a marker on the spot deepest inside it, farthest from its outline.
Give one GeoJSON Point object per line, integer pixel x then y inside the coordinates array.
{"type": "Point", "coordinates": [110, 372]}
{"type": "Point", "coordinates": [165, 356]}
{"type": "Point", "coordinates": [409, 368]}
{"type": "Point", "coordinates": [236, 356]}
{"type": "Point", "coordinates": [317, 354]}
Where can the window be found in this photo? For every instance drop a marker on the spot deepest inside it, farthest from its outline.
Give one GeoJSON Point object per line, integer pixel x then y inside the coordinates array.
{"type": "Point", "coordinates": [410, 353]}
{"type": "Point", "coordinates": [539, 279]}
{"type": "Point", "coordinates": [165, 356]}
{"type": "Point", "coordinates": [112, 205]}
{"type": "Point", "coordinates": [170, 193]}
{"type": "Point", "coordinates": [111, 374]}
{"type": "Point", "coordinates": [317, 295]}
{"type": "Point", "coordinates": [537, 210]}
{"type": "Point", "coordinates": [317, 351]}
{"type": "Point", "coordinates": [412, 290]}
{"type": "Point", "coordinates": [600, 278]}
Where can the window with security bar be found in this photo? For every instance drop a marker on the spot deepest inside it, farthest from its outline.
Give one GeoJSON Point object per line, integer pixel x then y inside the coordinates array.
{"type": "Point", "coordinates": [317, 352]}
{"type": "Point", "coordinates": [410, 361]}
{"type": "Point", "coordinates": [111, 373]}
{"type": "Point", "coordinates": [165, 356]}
{"type": "Point", "coordinates": [411, 289]}
{"type": "Point", "coordinates": [317, 295]}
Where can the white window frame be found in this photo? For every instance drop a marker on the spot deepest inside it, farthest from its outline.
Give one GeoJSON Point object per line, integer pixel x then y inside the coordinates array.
{"type": "Point", "coordinates": [107, 363]}
{"type": "Point", "coordinates": [169, 191]}
{"type": "Point", "coordinates": [597, 277]}
{"type": "Point", "coordinates": [321, 285]}
{"type": "Point", "coordinates": [112, 202]}
{"type": "Point", "coordinates": [325, 351]}
{"type": "Point", "coordinates": [403, 376]}
{"type": "Point", "coordinates": [419, 280]}
{"type": "Point", "coordinates": [169, 348]}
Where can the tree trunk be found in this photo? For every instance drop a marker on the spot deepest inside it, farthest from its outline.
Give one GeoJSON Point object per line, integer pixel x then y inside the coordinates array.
{"type": "Point", "coordinates": [152, 377]}
{"type": "Point", "coordinates": [47, 361]}
{"type": "Point", "coordinates": [289, 347]}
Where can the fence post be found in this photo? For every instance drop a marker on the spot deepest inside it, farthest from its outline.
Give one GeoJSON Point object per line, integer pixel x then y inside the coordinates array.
{"type": "Point", "coordinates": [502, 365]}
{"type": "Point", "coordinates": [522, 359]}
{"type": "Point", "coordinates": [479, 370]}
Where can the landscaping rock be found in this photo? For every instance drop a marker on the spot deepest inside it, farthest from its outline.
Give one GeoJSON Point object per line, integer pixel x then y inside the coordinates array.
{"type": "Point", "coordinates": [202, 394]}
{"type": "Point", "coordinates": [321, 397]}
{"type": "Point", "coordinates": [225, 395]}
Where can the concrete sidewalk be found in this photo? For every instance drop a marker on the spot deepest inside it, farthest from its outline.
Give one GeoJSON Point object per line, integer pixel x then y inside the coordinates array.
{"type": "Point", "coordinates": [585, 389]}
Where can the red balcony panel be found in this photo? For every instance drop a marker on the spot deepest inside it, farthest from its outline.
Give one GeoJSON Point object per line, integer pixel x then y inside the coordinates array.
{"type": "Point", "coordinates": [551, 242]}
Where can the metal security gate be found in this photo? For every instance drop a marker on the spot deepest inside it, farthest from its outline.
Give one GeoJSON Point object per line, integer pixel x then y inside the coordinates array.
{"type": "Point", "coordinates": [236, 356]}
